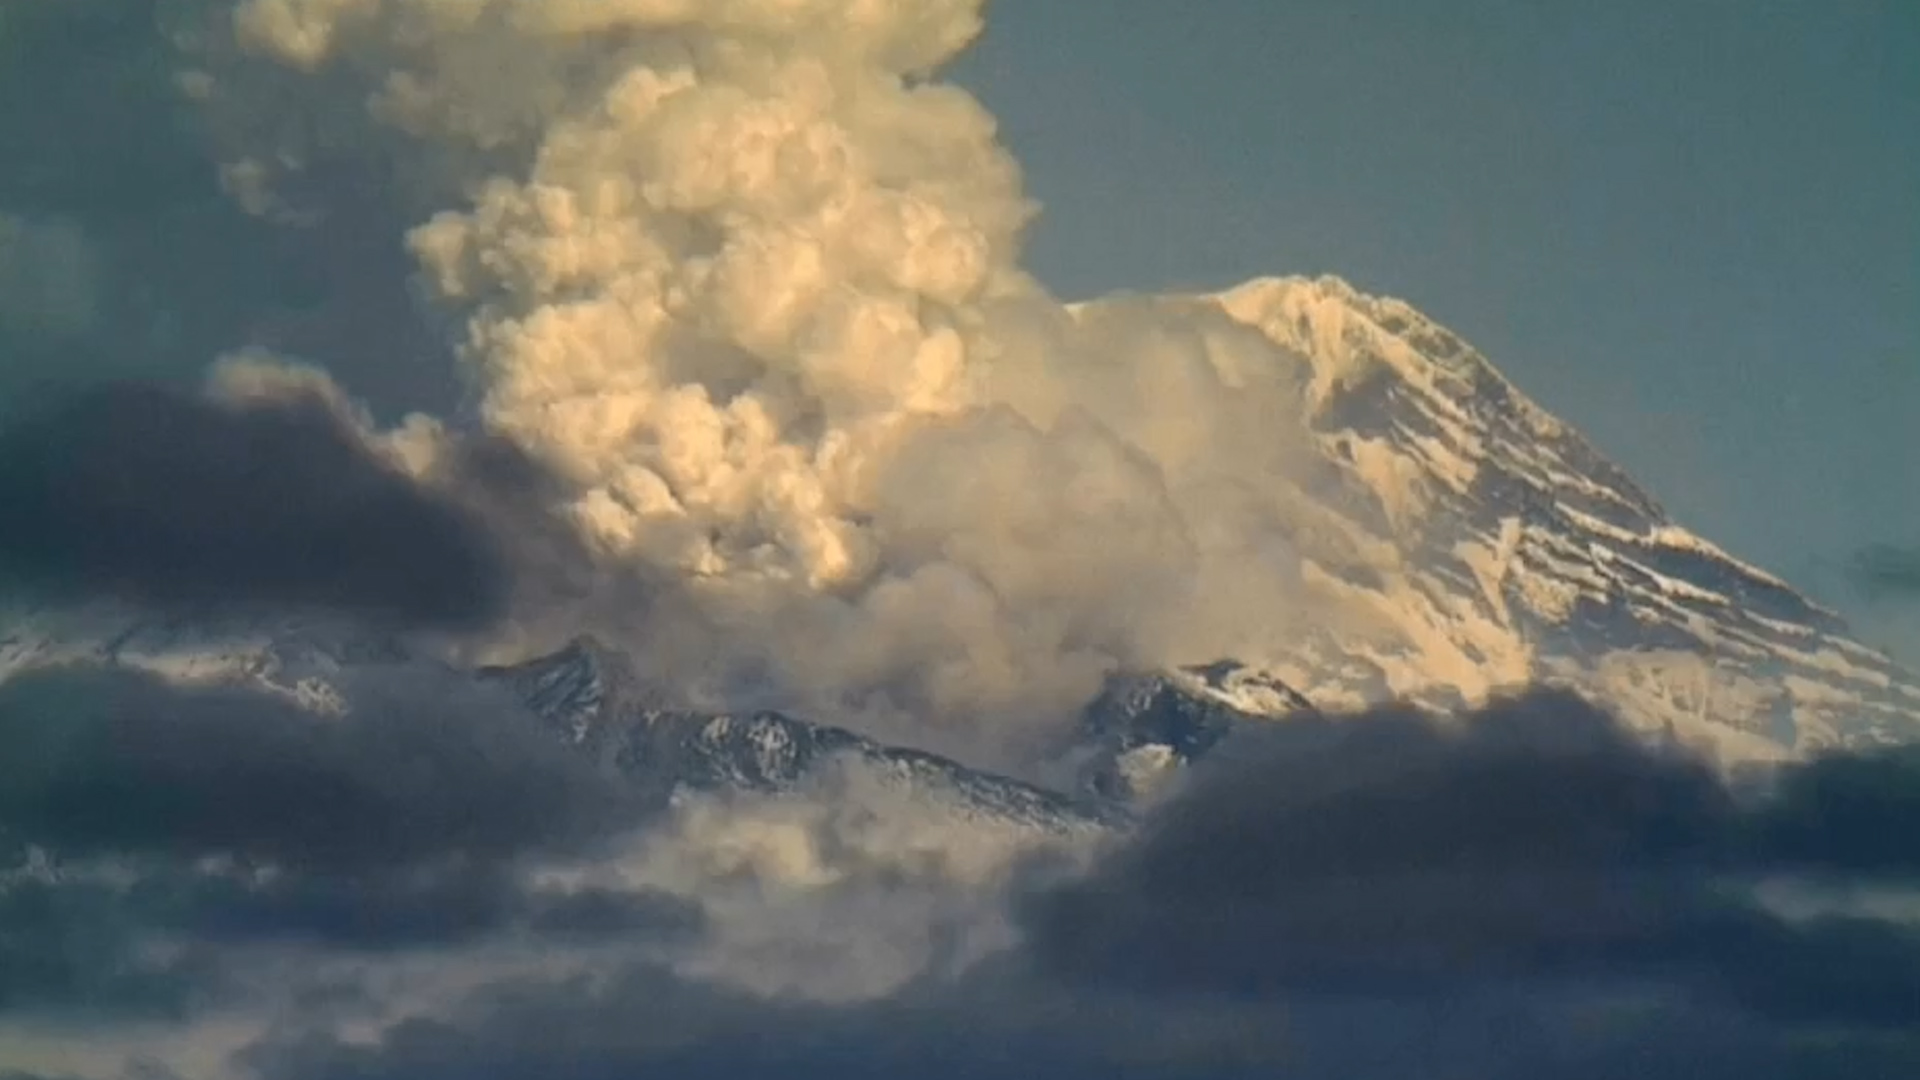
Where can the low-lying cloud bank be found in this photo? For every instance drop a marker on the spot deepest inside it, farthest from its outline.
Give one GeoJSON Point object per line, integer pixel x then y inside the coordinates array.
{"type": "Point", "coordinates": [431, 887]}
{"type": "Point", "coordinates": [1384, 857]}
{"type": "Point", "coordinates": [264, 493]}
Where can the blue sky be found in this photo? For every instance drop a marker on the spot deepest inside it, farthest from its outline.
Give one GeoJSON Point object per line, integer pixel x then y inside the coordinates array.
{"type": "Point", "coordinates": [1692, 229]}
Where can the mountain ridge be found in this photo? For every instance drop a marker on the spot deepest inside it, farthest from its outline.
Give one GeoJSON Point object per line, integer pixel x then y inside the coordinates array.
{"type": "Point", "coordinates": [1480, 543]}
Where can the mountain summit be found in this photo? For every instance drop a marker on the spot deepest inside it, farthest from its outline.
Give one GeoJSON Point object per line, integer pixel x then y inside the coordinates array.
{"type": "Point", "coordinates": [1480, 542]}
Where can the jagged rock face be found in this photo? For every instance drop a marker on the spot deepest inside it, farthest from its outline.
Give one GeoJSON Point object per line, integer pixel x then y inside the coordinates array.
{"type": "Point", "coordinates": [1132, 738]}
{"type": "Point", "coordinates": [1142, 728]}
{"type": "Point", "coordinates": [1496, 547]}
{"type": "Point", "coordinates": [589, 697]}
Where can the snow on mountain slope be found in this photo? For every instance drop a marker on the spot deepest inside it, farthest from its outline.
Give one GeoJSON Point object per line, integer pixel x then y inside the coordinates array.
{"type": "Point", "coordinates": [1476, 542]}
{"type": "Point", "coordinates": [588, 695]}
{"type": "Point", "coordinates": [1496, 546]}
{"type": "Point", "coordinates": [294, 658]}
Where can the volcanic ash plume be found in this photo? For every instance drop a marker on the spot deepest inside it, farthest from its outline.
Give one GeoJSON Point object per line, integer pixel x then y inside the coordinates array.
{"type": "Point", "coordinates": [747, 279]}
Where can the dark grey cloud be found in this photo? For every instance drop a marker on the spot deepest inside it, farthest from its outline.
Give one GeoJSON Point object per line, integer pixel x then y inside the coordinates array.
{"type": "Point", "coordinates": [73, 948]}
{"type": "Point", "coordinates": [1389, 856]}
{"type": "Point", "coordinates": [1849, 817]}
{"type": "Point", "coordinates": [85, 947]}
{"type": "Point", "coordinates": [647, 1022]}
{"type": "Point", "coordinates": [137, 812]}
{"type": "Point", "coordinates": [147, 492]}
{"type": "Point", "coordinates": [602, 913]}
{"type": "Point", "coordinates": [432, 905]}
{"type": "Point", "coordinates": [518, 500]}
{"type": "Point", "coordinates": [164, 942]}
{"type": "Point", "coordinates": [421, 768]}
{"type": "Point", "coordinates": [1528, 893]}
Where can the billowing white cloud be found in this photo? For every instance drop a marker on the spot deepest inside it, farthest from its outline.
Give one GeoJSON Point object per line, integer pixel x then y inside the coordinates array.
{"type": "Point", "coordinates": [748, 280]}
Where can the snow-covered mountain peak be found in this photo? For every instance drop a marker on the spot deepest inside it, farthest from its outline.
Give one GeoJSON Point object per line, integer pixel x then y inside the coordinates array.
{"type": "Point", "coordinates": [1516, 552]}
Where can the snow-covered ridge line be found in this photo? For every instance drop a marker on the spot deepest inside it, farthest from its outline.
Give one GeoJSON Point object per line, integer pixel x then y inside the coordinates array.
{"type": "Point", "coordinates": [587, 693]}
{"type": "Point", "coordinates": [1282, 305]}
